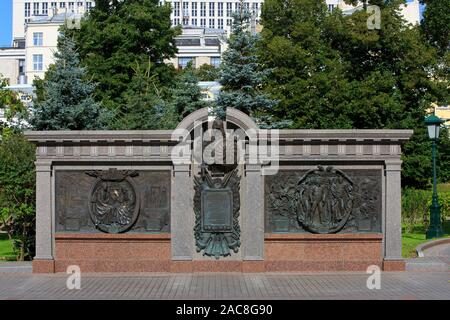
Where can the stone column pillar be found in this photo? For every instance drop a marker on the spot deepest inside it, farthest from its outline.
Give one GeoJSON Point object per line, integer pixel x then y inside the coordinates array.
{"type": "Point", "coordinates": [393, 227]}
{"type": "Point", "coordinates": [252, 214]}
{"type": "Point", "coordinates": [43, 261]}
{"type": "Point", "coordinates": [182, 214]}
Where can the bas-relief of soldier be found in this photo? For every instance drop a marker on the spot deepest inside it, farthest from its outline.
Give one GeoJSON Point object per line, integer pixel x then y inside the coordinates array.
{"type": "Point", "coordinates": [324, 200]}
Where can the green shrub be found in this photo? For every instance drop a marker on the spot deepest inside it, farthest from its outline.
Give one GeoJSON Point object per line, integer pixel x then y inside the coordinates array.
{"type": "Point", "coordinates": [416, 207]}
{"type": "Point", "coordinates": [17, 192]}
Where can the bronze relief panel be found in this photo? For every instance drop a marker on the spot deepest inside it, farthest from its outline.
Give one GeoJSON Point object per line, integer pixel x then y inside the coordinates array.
{"type": "Point", "coordinates": [323, 200]}
{"type": "Point", "coordinates": [112, 201]}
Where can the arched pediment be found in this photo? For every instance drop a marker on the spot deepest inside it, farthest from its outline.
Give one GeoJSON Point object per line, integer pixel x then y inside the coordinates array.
{"type": "Point", "coordinates": [235, 116]}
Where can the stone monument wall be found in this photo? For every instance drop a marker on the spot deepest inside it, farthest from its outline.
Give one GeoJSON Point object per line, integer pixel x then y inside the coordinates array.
{"type": "Point", "coordinates": [112, 201]}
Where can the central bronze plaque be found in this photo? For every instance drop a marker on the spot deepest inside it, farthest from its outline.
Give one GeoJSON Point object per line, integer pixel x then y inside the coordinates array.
{"type": "Point", "coordinates": [217, 210]}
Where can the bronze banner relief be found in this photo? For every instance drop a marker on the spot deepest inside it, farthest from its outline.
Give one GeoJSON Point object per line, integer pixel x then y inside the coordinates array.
{"type": "Point", "coordinates": [112, 201]}
{"type": "Point", "coordinates": [324, 200]}
{"type": "Point", "coordinates": [216, 208]}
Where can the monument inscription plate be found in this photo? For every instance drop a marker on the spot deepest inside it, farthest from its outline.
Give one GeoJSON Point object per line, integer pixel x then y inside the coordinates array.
{"type": "Point", "coordinates": [217, 210]}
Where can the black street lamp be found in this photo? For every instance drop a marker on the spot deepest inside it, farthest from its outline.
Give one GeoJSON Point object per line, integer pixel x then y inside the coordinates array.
{"type": "Point", "coordinates": [435, 228]}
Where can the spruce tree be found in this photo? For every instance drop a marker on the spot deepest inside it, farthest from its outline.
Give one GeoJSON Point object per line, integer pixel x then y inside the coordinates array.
{"type": "Point", "coordinates": [186, 95]}
{"type": "Point", "coordinates": [241, 74]}
{"type": "Point", "coordinates": [66, 103]}
{"type": "Point", "coordinates": [145, 105]}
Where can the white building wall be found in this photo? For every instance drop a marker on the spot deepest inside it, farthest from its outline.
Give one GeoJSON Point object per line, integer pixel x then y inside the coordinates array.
{"type": "Point", "coordinates": [9, 64]}
{"type": "Point", "coordinates": [21, 14]}
{"type": "Point", "coordinates": [49, 45]}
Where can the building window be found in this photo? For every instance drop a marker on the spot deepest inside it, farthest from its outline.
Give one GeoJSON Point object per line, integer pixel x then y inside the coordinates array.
{"type": "Point", "coordinates": [62, 5]}
{"type": "Point", "coordinates": [38, 39]}
{"type": "Point", "coordinates": [185, 9]}
{"type": "Point", "coordinates": [38, 62]}
{"type": "Point", "coordinates": [176, 9]}
{"type": "Point", "coordinates": [176, 21]}
{"type": "Point", "coordinates": [45, 8]}
{"type": "Point", "coordinates": [185, 21]}
{"type": "Point", "coordinates": [21, 66]}
{"type": "Point", "coordinates": [203, 9]}
{"type": "Point", "coordinates": [72, 6]}
{"type": "Point", "coordinates": [194, 9]}
{"type": "Point", "coordinates": [36, 8]}
{"type": "Point", "coordinates": [237, 6]}
{"type": "Point", "coordinates": [229, 22]}
{"type": "Point", "coordinates": [229, 9]}
{"type": "Point", "coordinates": [255, 8]}
{"type": "Point", "coordinates": [88, 5]}
{"type": "Point", "coordinates": [27, 9]}
{"type": "Point", "coordinates": [203, 23]}
{"type": "Point", "coordinates": [194, 21]}
{"type": "Point", "coordinates": [330, 7]}
{"type": "Point", "coordinates": [220, 23]}
{"type": "Point", "coordinates": [215, 62]}
{"type": "Point", "coordinates": [247, 6]}
{"type": "Point", "coordinates": [53, 5]}
{"type": "Point", "coordinates": [211, 23]}
{"type": "Point", "coordinates": [220, 9]}
{"type": "Point", "coordinates": [211, 9]}
{"type": "Point", "coordinates": [184, 61]}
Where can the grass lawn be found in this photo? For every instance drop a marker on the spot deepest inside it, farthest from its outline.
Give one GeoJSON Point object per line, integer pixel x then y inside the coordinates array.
{"type": "Point", "coordinates": [6, 250]}
{"type": "Point", "coordinates": [411, 240]}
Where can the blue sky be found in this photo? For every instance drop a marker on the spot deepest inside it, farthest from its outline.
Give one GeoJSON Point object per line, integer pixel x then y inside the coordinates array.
{"type": "Point", "coordinates": [6, 23]}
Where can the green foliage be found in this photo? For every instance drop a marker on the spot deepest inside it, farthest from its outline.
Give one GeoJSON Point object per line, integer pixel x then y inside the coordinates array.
{"type": "Point", "coordinates": [115, 38]}
{"type": "Point", "coordinates": [145, 107]}
{"type": "Point", "coordinates": [416, 207]}
{"type": "Point", "coordinates": [187, 95]}
{"type": "Point", "coordinates": [206, 72]}
{"type": "Point", "coordinates": [17, 192]}
{"type": "Point", "coordinates": [10, 102]}
{"type": "Point", "coordinates": [241, 74]}
{"type": "Point", "coordinates": [331, 71]}
{"type": "Point", "coordinates": [436, 23]}
{"type": "Point", "coordinates": [65, 98]}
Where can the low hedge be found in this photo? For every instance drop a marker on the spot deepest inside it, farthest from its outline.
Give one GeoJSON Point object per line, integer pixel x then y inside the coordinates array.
{"type": "Point", "coordinates": [416, 207]}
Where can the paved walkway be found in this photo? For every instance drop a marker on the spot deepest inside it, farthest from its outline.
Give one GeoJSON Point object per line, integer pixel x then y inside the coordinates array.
{"type": "Point", "coordinates": [441, 251]}
{"type": "Point", "coordinates": [394, 285]}
{"type": "Point", "coordinates": [436, 258]}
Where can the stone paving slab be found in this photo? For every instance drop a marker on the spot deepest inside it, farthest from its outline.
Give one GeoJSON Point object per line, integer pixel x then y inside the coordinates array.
{"type": "Point", "coordinates": [441, 250]}
{"type": "Point", "coordinates": [394, 285]}
{"type": "Point", "coordinates": [15, 266]}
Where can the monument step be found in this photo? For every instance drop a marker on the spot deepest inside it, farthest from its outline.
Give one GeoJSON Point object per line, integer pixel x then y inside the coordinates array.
{"type": "Point", "coordinates": [16, 267]}
{"type": "Point", "coordinates": [427, 264]}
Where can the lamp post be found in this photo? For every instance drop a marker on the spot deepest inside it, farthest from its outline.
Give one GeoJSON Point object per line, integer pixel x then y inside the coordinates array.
{"type": "Point", "coordinates": [433, 124]}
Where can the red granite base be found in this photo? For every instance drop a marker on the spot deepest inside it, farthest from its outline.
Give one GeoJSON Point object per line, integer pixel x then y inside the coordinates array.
{"type": "Point", "coordinates": [394, 265]}
{"type": "Point", "coordinates": [322, 252]}
{"type": "Point", "coordinates": [43, 266]}
{"type": "Point", "coordinates": [152, 253]}
{"type": "Point", "coordinates": [113, 252]}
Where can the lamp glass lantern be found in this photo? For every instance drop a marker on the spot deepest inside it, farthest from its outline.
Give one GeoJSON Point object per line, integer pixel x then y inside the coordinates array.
{"type": "Point", "coordinates": [433, 124]}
